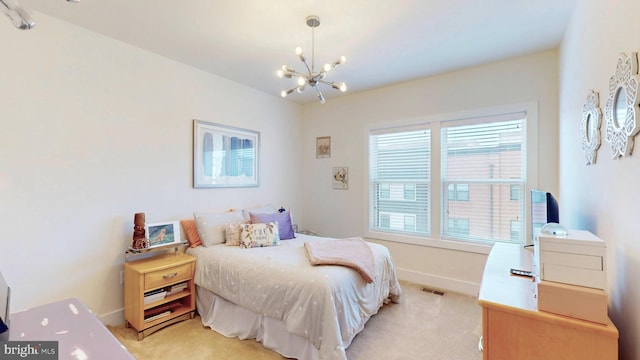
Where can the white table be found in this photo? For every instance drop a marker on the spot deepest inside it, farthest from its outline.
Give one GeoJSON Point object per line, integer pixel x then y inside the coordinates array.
{"type": "Point", "coordinates": [79, 333]}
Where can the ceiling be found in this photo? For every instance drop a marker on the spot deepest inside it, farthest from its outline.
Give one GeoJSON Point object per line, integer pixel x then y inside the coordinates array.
{"type": "Point", "coordinates": [385, 41]}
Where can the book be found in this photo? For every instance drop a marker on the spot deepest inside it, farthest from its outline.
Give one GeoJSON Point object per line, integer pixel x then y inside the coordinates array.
{"type": "Point", "coordinates": [154, 297]}
{"type": "Point", "coordinates": [176, 288]}
{"type": "Point", "coordinates": [157, 316]}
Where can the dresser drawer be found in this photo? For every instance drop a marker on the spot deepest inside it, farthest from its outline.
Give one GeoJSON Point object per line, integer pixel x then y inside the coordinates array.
{"type": "Point", "coordinates": [167, 276]}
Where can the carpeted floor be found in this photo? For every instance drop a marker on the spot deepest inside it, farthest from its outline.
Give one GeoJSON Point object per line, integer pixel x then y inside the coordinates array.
{"type": "Point", "coordinates": [423, 326]}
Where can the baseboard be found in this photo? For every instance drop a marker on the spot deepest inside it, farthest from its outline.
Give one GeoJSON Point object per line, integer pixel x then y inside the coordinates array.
{"type": "Point", "coordinates": [439, 282]}
{"type": "Point", "coordinates": [114, 318]}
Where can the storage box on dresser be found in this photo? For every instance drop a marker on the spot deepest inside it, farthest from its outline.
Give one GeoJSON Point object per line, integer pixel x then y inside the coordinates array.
{"type": "Point", "coordinates": [579, 258]}
{"type": "Point", "coordinates": [150, 275]}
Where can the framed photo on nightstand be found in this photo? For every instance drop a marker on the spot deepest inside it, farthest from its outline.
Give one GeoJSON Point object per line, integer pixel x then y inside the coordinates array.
{"type": "Point", "coordinates": [160, 234]}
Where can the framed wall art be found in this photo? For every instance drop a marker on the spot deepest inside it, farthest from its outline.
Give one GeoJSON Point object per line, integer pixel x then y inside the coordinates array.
{"type": "Point", "coordinates": [590, 127]}
{"type": "Point", "coordinates": [224, 156]}
{"type": "Point", "coordinates": [323, 147]}
{"type": "Point", "coordinates": [622, 106]}
{"type": "Point", "coordinates": [161, 234]}
{"type": "Point", "coordinates": [340, 178]}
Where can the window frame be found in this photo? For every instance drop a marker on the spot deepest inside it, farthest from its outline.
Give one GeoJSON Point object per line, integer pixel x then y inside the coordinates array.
{"type": "Point", "coordinates": [530, 143]}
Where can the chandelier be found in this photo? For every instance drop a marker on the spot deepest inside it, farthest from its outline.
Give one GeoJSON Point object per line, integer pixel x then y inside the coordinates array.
{"type": "Point", "coordinates": [19, 16]}
{"type": "Point", "coordinates": [311, 77]}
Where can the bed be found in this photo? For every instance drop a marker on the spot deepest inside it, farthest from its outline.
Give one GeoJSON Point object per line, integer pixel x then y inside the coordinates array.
{"type": "Point", "coordinates": [274, 295]}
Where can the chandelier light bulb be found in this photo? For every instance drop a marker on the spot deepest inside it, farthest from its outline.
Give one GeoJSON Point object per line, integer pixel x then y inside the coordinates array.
{"type": "Point", "coordinates": [342, 87]}
{"type": "Point", "coordinates": [283, 93]}
{"type": "Point", "coordinates": [298, 51]}
{"type": "Point", "coordinates": [280, 73]}
{"type": "Point", "coordinates": [301, 81]}
{"type": "Point", "coordinates": [342, 59]}
{"type": "Point", "coordinates": [327, 67]}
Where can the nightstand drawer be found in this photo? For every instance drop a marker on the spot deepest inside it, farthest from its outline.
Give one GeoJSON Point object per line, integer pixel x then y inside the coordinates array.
{"type": "Point", "coordinates": [163, 277]}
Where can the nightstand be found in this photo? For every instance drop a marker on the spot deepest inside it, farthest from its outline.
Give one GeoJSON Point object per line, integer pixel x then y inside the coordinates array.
{"type": "Point", "coordinates": [158, 291]}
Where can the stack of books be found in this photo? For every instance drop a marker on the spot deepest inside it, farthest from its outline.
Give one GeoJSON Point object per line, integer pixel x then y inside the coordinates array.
{"type": "Point", "coordinates": [174, 289]}
{"type": "Point", "coordinates": [154, 295]}
{"type": "Point", "coordinates": [161, 311]}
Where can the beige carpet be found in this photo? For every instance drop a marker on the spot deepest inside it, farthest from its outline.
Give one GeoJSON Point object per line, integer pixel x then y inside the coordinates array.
{"type": "Point", "coordinates": [423, 326]}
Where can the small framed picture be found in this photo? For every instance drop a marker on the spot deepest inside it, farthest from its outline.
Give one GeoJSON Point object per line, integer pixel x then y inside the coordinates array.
{"type": "Point", "coordinates": [323, 147]}
{"type": "Point", "coordinates": [341, 178]}
{"type": "Point", "coordinates": [160, 234]}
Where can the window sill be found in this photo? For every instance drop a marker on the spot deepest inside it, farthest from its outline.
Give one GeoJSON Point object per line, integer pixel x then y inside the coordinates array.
{"type": "Point", "coordinates": [473, 247]}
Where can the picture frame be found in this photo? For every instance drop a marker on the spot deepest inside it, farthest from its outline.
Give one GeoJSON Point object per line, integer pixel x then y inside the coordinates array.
{"type": "Point", "coordinates": [162, 234]}
{"type": "Point", "coordinates": [323, 147]}
{"type": "Point", "coordinates": [340, 177]}
{"type": "Point", "coordinates": [224, 156]}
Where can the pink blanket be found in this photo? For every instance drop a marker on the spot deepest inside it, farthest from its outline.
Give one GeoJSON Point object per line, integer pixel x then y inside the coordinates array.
{"type": "Point", "coordinates": [351, 252]}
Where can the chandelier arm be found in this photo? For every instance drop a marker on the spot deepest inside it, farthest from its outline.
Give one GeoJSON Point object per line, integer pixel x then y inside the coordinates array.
{"type": "Point", "coordinates": [320, 96]}
{"type": "Point", "coordinates": [330, 83]}
{"type": "Point", "coordinates": [333, 84]}
{"type": "Point", "coordinates": [307, 66]}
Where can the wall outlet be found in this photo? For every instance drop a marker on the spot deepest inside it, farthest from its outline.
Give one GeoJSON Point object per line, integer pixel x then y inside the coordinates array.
{"type": "Point", "coordinates": [121, 277]}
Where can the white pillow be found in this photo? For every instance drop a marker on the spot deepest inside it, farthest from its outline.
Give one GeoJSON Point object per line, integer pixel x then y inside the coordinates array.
{"type": "Point", "coordinates": [259, 235]}
{"type": "Point", "coordinates": [267, 209]}
{"type": "Point", "coordinates": [211, 226]}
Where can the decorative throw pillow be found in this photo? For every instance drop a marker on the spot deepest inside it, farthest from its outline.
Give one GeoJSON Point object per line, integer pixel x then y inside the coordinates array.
{"type": "Point", "coordinates": [232, 233]}
{"type": "Point", "coordinates": [258, 235]}
{"type": "Point", "coordinates": [211, 225]}
{"type": "Point", "coordinates": [283, 219]}
{"type": "Point", "coordinates": [267, 209]}
{"type": "Point", "coordinates": [189, 226]}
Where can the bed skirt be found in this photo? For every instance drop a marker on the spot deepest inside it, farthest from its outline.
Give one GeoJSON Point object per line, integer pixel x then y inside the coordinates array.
{"type": "Point", "coordinates": [232, 320]}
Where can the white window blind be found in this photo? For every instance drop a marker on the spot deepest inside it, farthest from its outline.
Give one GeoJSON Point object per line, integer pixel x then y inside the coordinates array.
{"type": "Point", "coordinates": [399, 180]}
{"type": "Point", "coordinates": [486, 158]}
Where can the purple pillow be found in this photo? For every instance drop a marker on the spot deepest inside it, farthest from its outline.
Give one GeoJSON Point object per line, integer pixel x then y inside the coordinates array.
{"type": "Point", "coordinates": [284, 222]}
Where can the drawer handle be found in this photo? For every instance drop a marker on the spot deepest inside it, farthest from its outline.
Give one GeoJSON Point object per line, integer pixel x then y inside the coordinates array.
{"type": "Point", "coordinates": [169, 276]}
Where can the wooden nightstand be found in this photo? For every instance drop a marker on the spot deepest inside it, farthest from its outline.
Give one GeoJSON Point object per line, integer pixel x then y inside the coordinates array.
{"type": "Point", "coordinates": [149, 278]}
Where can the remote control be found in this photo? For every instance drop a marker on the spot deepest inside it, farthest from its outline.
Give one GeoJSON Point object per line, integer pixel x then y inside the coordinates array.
{"type": "Point", "coordinates": [521, 272]}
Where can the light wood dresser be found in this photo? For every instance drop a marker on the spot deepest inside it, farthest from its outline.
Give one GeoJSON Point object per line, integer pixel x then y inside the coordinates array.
{"type": "Point", "coordinates": [514, 329]}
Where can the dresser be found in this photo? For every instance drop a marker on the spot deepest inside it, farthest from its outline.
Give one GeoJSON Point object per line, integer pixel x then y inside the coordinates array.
{"type": "Point", "coordinates": [514, 329]}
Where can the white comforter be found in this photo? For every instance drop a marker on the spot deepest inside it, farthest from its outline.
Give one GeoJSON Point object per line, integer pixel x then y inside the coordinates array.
{"type": "Point", "coordinates": [327, 305]}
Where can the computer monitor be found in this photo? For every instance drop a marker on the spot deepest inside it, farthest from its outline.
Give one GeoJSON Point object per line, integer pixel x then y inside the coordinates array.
{"type": "Point", "coordinates": [5, 296]}
{"type": "Point", "coordinates": [544, 210]}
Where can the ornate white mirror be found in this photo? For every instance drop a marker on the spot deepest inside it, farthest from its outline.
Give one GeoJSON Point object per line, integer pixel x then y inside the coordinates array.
{"type": "Point", "coordinates": [622, 106]}
{"type": "Point", "coordinates": [590, 127]}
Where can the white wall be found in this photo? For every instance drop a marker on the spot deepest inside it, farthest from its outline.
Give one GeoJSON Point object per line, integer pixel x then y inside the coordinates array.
{"type": "Point", "coordinates": [93, 131]}
{"type": "Point", "coordinates": [340, 213]}
{"type": "Point", "coordinates": [603, 197]}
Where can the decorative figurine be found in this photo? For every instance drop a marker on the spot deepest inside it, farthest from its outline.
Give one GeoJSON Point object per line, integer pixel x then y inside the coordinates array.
{"type": "Point", "coordinates": [139, 239]}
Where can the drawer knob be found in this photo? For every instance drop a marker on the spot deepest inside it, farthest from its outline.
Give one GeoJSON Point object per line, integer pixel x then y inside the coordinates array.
{"type": "Point", "coordinates": [169, 276]}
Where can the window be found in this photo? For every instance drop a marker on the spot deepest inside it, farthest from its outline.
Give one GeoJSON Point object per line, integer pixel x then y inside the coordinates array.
{"type": "Point", "coordinates": [458, 192]}
{"type": "Point", "coordinates": [399, 175]}
{"type": "Point", "coordinates": [458, 226]}
{"type": "Point", "coordinates": [481, 172]}
{"type": "Point", "coordinates": [515, 230]}
{"type": "Point", "coordinates": [487, 155]}
{"type": "Point", "coordinates": [515, 192]}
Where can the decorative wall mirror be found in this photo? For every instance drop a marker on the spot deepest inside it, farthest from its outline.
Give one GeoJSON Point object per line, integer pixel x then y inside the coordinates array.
{"type": "Point", "coordinates": [590, 127]}
{"type": "Point", "coordinates": [622, 106]}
